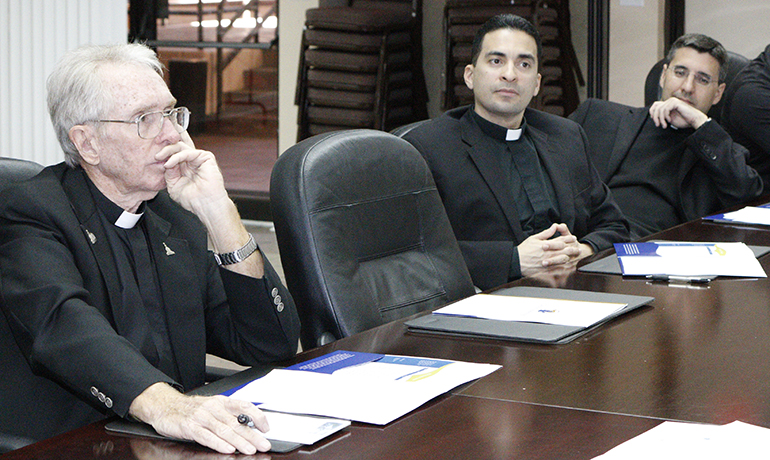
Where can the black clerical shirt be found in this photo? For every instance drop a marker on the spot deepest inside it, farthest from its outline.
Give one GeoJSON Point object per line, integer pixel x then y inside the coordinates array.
{"type": "Point", "coordinates": [646, 186]}
{"type": "Point", "coordinates": [141, 303]}
{"type": "Point", "coordinates": [532, 189]}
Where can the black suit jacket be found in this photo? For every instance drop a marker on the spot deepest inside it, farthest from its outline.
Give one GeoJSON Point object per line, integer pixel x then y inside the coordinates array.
{"type": "Point", "coordinates": [479, 201]}
{"type": "Point", "coordinates": [746, 112]}
{"type": "Point", "coordinates": [713, 173]}
{"type": "Point", "coordinates": [70, 364]}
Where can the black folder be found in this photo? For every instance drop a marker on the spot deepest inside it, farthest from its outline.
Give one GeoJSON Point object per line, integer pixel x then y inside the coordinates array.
{"type": "Point", "coordinates": [122, 426]}
{"type": "Point", "coordinates": [461, 326]}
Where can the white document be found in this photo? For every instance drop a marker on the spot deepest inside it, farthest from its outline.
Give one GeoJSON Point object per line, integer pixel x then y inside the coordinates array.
{"type": "Point", "coordinates": [679, 440]}
{"type": "Point", "coordinates": [376, 391]}
{"type": "Point", "coordinates": [749, 215]}
{"type": "Point", "coordinates": [302, 429]}
{"type": "Point", "coordinates": [532, 309]}
{"type": "Point", "coordinates": [688, 259]}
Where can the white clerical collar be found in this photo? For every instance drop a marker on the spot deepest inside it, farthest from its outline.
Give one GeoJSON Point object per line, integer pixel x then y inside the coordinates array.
{"type": "Point", "coordinates": [513, 134]}
{"type": "Point", "coordinates": [128, 220]}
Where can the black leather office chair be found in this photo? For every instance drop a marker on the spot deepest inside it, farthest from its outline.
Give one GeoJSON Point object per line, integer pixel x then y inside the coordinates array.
{"type": "Point", "coordinates": [363, 235]}
{"type": "Point", "coordinates": [12, 170]}
{"type": "Point", "coordinates": [735, 63]}
{"type": "Point", "coordinates": [402, 130]}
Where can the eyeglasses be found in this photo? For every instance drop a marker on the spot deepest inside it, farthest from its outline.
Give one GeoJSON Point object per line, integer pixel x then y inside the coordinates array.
{"type": "Point", "coordinates": [150, 124]}
{"type": "Point", "coordinates": [683, 72]}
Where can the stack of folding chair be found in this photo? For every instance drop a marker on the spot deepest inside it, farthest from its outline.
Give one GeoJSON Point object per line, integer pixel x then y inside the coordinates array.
{"type": "Point", "coordinates": [360, 67]}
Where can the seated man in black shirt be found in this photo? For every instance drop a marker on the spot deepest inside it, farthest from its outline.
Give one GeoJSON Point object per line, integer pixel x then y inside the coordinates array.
{"type": "Point", "coordinates": [670, 163]}
{"type": "Point", "coordinates": [518, 186]}
{"type": "Point", "coordinates": [108, 286]}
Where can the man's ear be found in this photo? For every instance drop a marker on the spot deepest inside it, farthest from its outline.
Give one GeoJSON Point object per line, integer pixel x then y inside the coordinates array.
{"type": "Point", "coordinates": [662, 79]}
{"type": "Point", "coordinates": [468, 76]}
{"type": "Point", "coordinates": [86, 142]}
{"type": "Point", "coordinates": [719, 93]}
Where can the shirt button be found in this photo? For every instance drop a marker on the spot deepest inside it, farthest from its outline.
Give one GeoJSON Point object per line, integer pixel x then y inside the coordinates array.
{"type": "Point", "coordinates": [279, 307]}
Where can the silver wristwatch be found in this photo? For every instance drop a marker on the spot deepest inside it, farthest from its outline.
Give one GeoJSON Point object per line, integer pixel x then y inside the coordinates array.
{"type": "Point", "coordinates": [237, 256]}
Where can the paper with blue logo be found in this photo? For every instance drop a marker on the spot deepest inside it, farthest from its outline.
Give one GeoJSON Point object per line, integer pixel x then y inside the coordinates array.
{"type": "Point", "coordinates": [756, 215]}
{"type": "Point", "coordinates": [362, 387]}
{"type": "Point", "coordinates": [531, 309]}
{"type": "Point", "coordinates": [688, 259]}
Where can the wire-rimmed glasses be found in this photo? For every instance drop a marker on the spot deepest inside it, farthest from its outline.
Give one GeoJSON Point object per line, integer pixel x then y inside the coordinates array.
{"type": "Point", "coordinates": [682, 73]}
{"type": "Point", "coordinates": [150, 124]}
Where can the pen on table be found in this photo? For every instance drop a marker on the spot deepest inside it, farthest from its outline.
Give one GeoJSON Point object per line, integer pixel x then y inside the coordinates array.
{"type": "Point", "coordinates": [702, 279]}
{"type": "Point", "coordinates": [244, 419]}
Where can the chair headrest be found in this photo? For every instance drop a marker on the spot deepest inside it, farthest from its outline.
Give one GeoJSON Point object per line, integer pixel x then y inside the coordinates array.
{"type": "Point", "coordinates": [335, 168]}
{"type": "Point", "coordinates": [14, 170]}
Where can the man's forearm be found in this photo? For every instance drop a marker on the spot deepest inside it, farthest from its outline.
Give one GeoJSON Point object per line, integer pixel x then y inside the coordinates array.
{"type": "Point", "coordinates": [227, 234]}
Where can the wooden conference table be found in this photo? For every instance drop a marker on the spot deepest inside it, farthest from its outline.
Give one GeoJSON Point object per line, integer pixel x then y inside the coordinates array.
{"type": "Point", "coordinates": [699, 354]}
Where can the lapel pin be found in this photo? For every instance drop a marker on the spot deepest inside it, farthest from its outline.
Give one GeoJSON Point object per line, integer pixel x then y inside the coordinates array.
{"type": "Point", "coordinates": [90, 236]}
{"type": "Point", "coordinates": [169, 251]}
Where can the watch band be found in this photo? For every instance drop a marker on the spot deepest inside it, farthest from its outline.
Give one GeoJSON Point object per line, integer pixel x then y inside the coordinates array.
{"type": "Point", "coordinates": [240, 255]}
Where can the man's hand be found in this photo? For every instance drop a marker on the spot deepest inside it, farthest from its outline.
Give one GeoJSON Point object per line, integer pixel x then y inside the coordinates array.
{"type": "Point", "coordinates": [208, 420]}
{"type": "Point", "coordinates": [542, 250]}
{"type": "Point", "coordinates": [677, 113]}
{"type": "Point", "coordinates": [193, 178]}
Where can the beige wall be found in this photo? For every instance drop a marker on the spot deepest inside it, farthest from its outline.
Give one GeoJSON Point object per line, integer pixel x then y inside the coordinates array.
{"type": "Point", "coordinates": [291, 21]}
{"type": "Point", "coordinates": [741, 26]}
{"type": "Point", "coordinates": [636, 44]}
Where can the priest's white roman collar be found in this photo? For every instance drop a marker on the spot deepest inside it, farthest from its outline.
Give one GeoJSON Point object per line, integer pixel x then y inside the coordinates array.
{"type": "Point", "coordinates": [128, 220]}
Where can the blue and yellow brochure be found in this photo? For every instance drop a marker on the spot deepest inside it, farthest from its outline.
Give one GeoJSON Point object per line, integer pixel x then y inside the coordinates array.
{"type": "Point", "coordinates": [688, 259]}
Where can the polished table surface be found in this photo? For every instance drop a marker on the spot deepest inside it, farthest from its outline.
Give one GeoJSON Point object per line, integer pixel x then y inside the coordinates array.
{"type": "Point", "coordinates": [694, 354]}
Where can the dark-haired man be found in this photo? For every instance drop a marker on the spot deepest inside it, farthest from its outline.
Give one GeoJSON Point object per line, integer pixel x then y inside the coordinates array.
{"type": "Point", "coordinates": [518, 186]}
{"type": "Point", "coordinates": [670, 163]}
